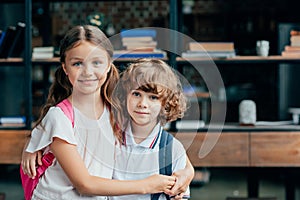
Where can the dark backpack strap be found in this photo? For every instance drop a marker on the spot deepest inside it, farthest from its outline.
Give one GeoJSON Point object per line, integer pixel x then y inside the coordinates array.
{"type": "Point", "coordinates": [165, 158]}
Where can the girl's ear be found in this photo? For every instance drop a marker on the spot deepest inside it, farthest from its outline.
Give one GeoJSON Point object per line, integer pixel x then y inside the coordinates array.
{"type": "Point", "coordinates": [63, 65]}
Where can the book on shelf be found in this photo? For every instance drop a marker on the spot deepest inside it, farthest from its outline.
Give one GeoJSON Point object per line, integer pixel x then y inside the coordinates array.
{"type": "Point", "coordinates": [139, 54]}
{"type": "Point", "coordinates": [295, 40]}
{"type": "Point", "coordinates": [138, 33]}
{"type": "Point", "coordinates": [18, 43]}
{"type": "Point", "coordinates": [208, 54]}
{"type": "Point", "coordinates": [209, 50]}
{"type": "Point", "coordinates": [292, 54]}
{"type": "Point", "coordinates": [7, 41]}
{"type": "Point", "coordinates": [43, 52]}
{"type": "Point", "coordinates": [139, 43]}
{"type": "Point", "coordinates": [15, 121]}
{"type": "Point", "coordinates": [136, 45]}
{"type": "Point", "coordinates": [293, 49]}
{"type": "Point", "coordinates": [294, 32]}
{"type": "Point", "coordinates": [211, 46]}
{"type": "Point", "coordinates": [2, 34]}
{"type": "Point", "coordinates": [139, 38]}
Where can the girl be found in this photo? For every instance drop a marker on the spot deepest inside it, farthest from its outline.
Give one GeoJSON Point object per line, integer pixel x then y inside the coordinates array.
{"type": "Point", "coordinates": [84, 154]}
{"type": "Point", "coordinates": [148, 95]}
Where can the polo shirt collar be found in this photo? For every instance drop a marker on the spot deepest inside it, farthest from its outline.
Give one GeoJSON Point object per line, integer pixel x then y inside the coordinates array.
{"type": "Point", "coordinates": [149, 142]}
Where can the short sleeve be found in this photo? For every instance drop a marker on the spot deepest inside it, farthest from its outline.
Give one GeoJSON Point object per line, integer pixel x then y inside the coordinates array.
{"type": "Point", "coordinates": [179, 160]}
{"type": "Point", "coordinates": [55, 124]}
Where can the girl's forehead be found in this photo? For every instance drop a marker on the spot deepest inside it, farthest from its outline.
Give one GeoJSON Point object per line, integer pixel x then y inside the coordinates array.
{"type": "Point", "coordinates": [86, 50]}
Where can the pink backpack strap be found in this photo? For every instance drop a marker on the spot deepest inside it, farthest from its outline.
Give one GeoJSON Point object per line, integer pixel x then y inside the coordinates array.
{"type": "Point", "coordinates": [66, 106]}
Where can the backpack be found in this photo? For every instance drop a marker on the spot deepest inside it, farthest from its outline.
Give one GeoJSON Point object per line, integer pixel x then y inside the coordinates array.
{"type": "Point", "coordinates": [165, 158]}
{"type": "Point", "coordinates": [30, 184]}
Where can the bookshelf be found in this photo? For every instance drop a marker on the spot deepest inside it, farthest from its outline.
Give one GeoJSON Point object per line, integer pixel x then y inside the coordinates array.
{"type": "Point", "coordinates": [177, 20]}
{"type": "Point", "coordinates": [24, 63]}
{"type": "Point", "coordinates": [28, 64]}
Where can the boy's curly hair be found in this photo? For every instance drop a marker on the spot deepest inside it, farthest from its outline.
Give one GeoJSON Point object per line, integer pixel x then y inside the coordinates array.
{"type": "Point", "coordinates": [155, 76]}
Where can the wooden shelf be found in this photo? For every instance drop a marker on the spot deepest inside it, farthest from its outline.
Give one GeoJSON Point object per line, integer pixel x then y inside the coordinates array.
{"type": "Point", "coordinates": [238, 59]}
{"type": "Point", "coordinates": [243, 59]}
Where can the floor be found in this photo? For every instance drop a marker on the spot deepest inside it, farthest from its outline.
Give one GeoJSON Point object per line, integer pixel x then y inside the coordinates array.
{"type": "Point", "coordinates": [222, 183]}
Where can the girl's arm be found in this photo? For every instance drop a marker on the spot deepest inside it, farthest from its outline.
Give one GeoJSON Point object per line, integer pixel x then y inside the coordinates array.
{"type": "Point", "coordinates": [73, 165]}
{"type": "Point", "coordinates": [184, 178]}
{"type": "Point", "coordinates": [30, 160]}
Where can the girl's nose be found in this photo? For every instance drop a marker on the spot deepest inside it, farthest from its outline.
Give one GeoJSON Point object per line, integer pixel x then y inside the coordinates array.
{"type": "Point", "coordinates": [87, 69]}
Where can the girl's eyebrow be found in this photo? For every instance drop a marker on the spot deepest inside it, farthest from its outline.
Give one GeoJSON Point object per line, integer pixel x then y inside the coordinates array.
{"type": "Point", "coordinates": [76, 58]}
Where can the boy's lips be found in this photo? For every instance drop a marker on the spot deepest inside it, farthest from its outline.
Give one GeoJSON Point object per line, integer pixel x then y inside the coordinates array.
{"type": "Point", "coordinates": [141, 112]}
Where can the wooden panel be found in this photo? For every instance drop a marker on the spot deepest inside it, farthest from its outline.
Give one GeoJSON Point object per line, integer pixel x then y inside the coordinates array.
{"type": "Point", "coordinates": [275, 149]}
{"type": "Point", "coordinates": [231, 149]}
{"type": "Point", "coordinates": [11, 145]}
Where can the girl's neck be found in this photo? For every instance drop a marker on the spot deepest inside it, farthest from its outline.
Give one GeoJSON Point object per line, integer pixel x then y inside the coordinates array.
{"type": "Point", "coordinates": [90, 105]}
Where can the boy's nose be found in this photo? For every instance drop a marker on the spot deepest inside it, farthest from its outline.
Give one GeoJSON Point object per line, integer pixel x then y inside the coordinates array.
{"type": "Point", "coordinates": [143, 102]}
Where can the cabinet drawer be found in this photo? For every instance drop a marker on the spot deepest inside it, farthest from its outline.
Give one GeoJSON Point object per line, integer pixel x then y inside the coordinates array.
{"type": "Point", "coordinates": [11, 145]}
{"type": "Point", "coordinates": [275, 149]}
{"type": "Point", "coordinates": [231, 149]}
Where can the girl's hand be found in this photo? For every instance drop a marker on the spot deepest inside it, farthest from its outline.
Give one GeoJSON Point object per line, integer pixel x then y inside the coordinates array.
{"type": "Point", "coordinates": [184, 178]}
{"type": "Point", "coordinates": [30, 161]}
{"type": "Point", "coordinates": [178, 197]}
{"type": "Point", "coordinates": [159, 183]}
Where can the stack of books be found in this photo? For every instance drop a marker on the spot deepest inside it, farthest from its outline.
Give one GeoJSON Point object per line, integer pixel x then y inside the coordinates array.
{"type": "Point", "coordinates": [15, 121]}
{"type": "Point", "coordinates": [12, 41]}
{"type": "Point", "coordinates": [43, 52]}
{"type": "Point", "coordinates": [292, 50]}
{"type": "Point", "coordinates": [209, 50]}
{"type": "Point", "coordinates": [139, 43]}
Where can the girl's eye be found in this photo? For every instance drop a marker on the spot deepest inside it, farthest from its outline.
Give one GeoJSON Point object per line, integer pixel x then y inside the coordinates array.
{"type": "Point", "coordinates": [77, 64]}
{"type": "Point", "coordinates": [98, 63]}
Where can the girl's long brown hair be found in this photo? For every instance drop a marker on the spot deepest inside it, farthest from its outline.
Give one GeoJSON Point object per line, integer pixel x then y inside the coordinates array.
{"type": "Point", "coordinates": [61, 87]}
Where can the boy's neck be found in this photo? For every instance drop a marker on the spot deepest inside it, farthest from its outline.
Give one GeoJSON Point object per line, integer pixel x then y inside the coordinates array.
{"type": "Point", "coordinates": [141, 132]}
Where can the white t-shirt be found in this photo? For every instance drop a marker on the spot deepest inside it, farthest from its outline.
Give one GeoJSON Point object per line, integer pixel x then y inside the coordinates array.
{"type": "Point", "coordinates": [138, 161]}
{"type": "Point", "coordinates": [95, 143]}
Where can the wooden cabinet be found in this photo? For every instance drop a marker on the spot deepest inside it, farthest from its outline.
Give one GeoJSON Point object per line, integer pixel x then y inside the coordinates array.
{"type": "Point", "coordinates": [231, 149]}
{"type": "Point", "coordinates": [245, 149]}
{"type": "Point", "coordinates": [275, 149]}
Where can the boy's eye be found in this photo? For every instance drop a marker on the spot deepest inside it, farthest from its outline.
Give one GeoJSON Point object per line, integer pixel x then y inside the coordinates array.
{"type": "Point", "coordinates": [154, 97]}
{"type": "Point", "coordinates": [135, 93]}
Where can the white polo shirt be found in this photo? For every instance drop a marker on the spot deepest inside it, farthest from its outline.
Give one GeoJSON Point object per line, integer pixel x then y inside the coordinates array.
{"type": "Point", "coordinates": [138, 161]}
